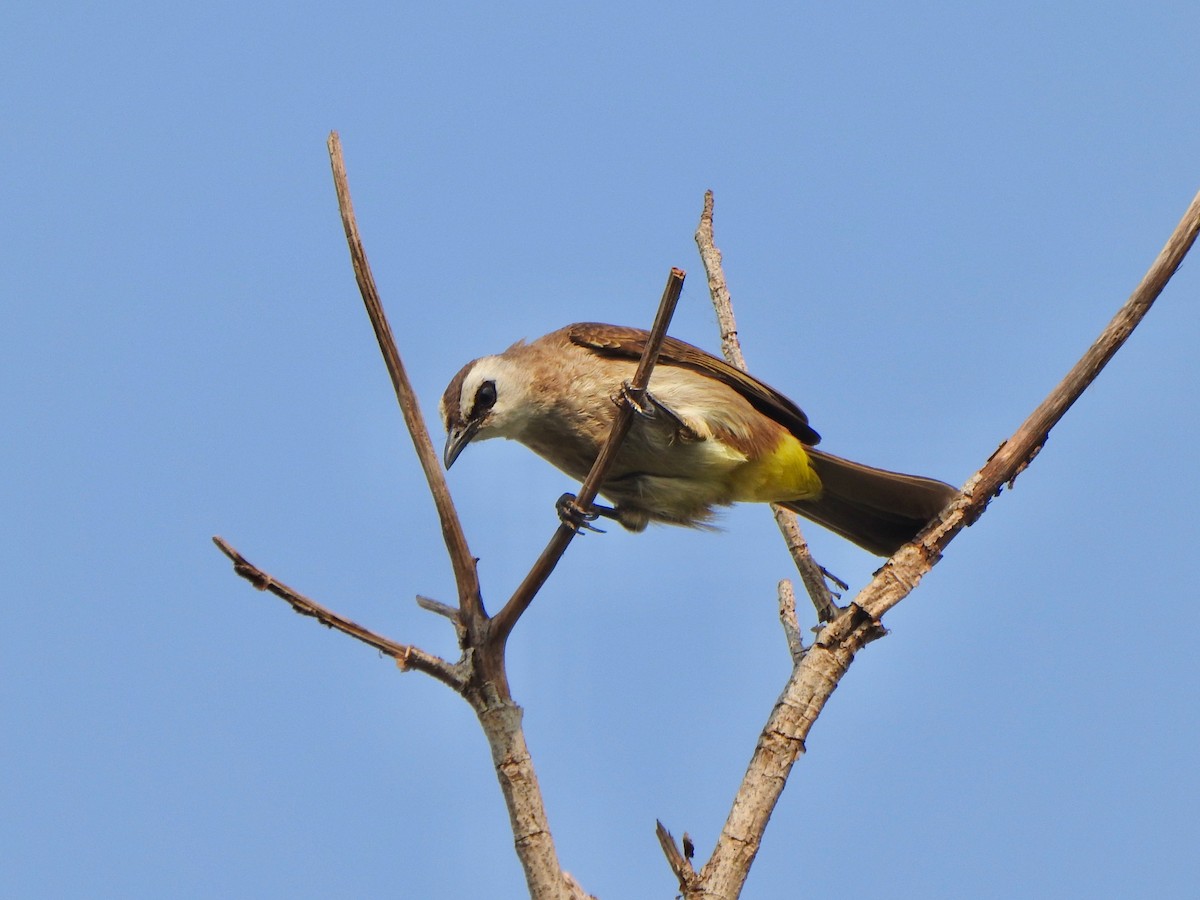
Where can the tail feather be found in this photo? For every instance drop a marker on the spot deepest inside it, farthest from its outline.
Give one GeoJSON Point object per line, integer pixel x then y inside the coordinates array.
{"type": "Point", "coordinates": [876, 509]}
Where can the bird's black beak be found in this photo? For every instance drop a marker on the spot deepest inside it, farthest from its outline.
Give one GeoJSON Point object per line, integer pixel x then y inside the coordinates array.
{"type": "Point", "coordinates": [457, 439]}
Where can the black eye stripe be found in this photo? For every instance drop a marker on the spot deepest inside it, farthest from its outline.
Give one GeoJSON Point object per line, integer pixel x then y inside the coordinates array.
{"type": "Point", "coordinates": [485, 399]}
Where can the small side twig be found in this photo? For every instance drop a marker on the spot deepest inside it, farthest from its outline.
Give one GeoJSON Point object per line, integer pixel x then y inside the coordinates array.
{"type": "Point", "coordinates": [810, 572]}
{"type": "Point", "coordinates": [787, 618]}
{"type": "Point", "coordinates": [447, 611]}
{"type": "Point", "coordinates": [680, 864]}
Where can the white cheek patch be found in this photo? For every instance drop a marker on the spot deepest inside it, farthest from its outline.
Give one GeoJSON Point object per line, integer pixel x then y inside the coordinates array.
{"type": "Point", "coordinates": [510, 414]}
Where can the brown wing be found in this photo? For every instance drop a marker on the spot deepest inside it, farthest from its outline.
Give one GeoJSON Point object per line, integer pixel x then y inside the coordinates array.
{"type": "Point", "coordinates": [618, 340]}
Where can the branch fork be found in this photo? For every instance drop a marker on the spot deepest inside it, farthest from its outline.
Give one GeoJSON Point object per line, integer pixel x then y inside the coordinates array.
{"type": "Point", "coordinates": [480, 677]}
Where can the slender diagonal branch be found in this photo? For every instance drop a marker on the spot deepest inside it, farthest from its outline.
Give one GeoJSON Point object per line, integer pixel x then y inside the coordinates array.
{"type": "Point", "coordinates": [789, 526]}
{"type": "Point", "coordinates": [406, 655]}
{"type": "Point", "coordinates": [503, 622]}
{"type": "Point", "coordinates": [466, 575]}
{"type": "Point", "coordinates": [817, 676]}
{"type": "Point", "coordinates": [903, 571]}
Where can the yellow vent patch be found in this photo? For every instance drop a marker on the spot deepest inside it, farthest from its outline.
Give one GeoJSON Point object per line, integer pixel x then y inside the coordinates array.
{"type": "Point", "coordinates": [781, 475]}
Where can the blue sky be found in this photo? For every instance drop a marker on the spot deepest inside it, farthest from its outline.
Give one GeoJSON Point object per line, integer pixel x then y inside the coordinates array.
{"type": "Point", "coordinates": [927, 213]}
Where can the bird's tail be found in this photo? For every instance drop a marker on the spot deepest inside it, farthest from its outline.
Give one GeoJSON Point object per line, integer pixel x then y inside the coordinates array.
{"type": "Point", "coordinates": [876, 509]}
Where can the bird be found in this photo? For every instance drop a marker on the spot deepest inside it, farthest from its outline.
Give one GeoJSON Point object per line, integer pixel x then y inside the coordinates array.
{"type": "Point", "coordinates": [705, 435]}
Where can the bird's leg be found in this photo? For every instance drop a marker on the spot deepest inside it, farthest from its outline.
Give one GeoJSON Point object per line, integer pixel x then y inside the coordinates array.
{"type": "Point", "coordinates": [574, 515]}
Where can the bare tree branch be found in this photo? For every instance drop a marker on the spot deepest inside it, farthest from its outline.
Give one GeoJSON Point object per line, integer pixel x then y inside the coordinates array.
{"type": "Point", "coordinates": [789, 526]}
{"type": "Point", "coordinates": [816, 579]}
{"type": "Point", "coordinates": [817, 676]}
{"type": "Point", "coordinates": [501, 721]}
{"type": "Point", "coordinates": [406, 655]}
{"type": "Point", "coordinates": [904, 570]}
{"type": "Point", "coordinates": [504, 620]}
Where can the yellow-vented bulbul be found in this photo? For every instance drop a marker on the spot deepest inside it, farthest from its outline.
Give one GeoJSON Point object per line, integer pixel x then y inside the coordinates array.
{"type": "Point", "coordinates": [707, 435]}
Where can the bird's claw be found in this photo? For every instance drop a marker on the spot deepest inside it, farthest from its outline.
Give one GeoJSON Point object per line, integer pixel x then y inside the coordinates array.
{"type": "Point", "coordinates": [639, 401]}
{"type": "Point", "coordinates": [570, 513]}
{"type": "Point", "coordinates": [646, 406]}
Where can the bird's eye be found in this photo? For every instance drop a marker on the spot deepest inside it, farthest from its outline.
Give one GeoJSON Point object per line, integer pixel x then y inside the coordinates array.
{"type": "Point", "coordinates": [485, 398]}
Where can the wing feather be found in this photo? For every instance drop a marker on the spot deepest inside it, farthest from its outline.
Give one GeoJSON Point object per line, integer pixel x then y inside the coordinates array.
{"type": "Point", "coordinates": [622, 341]}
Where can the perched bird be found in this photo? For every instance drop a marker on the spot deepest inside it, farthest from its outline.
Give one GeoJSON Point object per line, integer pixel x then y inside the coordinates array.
{"type": "Point", "coordinates": [706, 435]}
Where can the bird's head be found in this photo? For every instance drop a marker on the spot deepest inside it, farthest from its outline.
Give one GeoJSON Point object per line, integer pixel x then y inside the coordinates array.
{"type": "Point", "coordinates": [488, 398]}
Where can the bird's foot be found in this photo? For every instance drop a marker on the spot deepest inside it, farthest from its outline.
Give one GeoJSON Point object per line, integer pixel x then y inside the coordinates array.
{"type": "Point", "coordinates": [639, 401]}
{"type": "Point", "coordinates": [570, 513]}
{"type": "Point", "coordinates": [648, 407]}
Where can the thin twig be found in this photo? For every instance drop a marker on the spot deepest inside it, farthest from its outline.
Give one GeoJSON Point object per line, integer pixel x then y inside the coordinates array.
{"type": "Point", "coordinates": [718, 290]}
{"type": "Point", "coordinates": [450, 612]}
{"type": "Point", "coordinates": [815, 679]}
{"type": "Point", "coordinates": [504, 620]}
{"type": "Point", "coordinates": [406, 655]}
{"type": "Point", "coordinates": [466, 575]}
{"type": "Point", "coordinates": [810, 573]}
{"type": "Point", "coordinates": [636, 390]}
{"type": "Point", "coordinates": [787, 618]}
{"type": "Point", "coordinates": [440, 608]}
